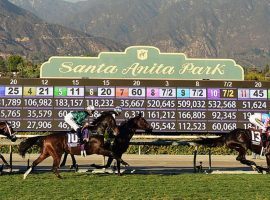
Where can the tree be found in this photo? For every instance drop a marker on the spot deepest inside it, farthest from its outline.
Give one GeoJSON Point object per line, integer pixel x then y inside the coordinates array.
{"type": "Point", "coordinates": [254, 76]}
{"type": "Point", "coordinates": [13, 62]}
{"type": "Point", "coordinates": [266, 69]}
{"type": "Point", "coordinates": [2, 64]}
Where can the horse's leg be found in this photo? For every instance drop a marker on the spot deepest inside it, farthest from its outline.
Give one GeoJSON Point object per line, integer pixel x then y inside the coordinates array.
{"type": "Point", "coordinates": [112, 156]}
{"type": "Point", "coordinates": [42, 157]}
{"type": "Point", "coordinates": [267, 155]}
{"type": "Point", "coordinates": [242, 158]}
{"type": "Point", "coordinates": [118, 168]}
{"type": "Point", "coordinates": [64, 159]}
{"type": "Point", "coordinates": [74, 162]}
{"type": "Point", "coordinates": [124, 162]}
{"type": "Point", "coordinates": [109, 162]}
{"type": "Point", "coordinates": [56, 163]}
{"type": "Point", "coordinates": [108, 153]}
{"type": "Point", "coordinates": [4, 160]}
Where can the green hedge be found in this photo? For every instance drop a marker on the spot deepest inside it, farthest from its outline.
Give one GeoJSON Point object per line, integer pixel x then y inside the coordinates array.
{"type": "Point", "coordinates": [146, 149]}
{"type": "Point", "coordinates": [179, 150]}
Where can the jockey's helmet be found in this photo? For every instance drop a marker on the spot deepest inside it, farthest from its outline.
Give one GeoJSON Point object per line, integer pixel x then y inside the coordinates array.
{"type": "Point", "coordinates": [90, 108]}
{"type": "Point", "coordinates": [118, 109]}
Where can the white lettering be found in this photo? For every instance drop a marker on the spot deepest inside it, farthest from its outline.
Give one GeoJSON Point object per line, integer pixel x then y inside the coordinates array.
{"type": "Point", "coordinates": [193, 69]}
{"type": "Point", "coordinates": [67, 67]}
{"type": "Point", "coordinates": [158, 69]}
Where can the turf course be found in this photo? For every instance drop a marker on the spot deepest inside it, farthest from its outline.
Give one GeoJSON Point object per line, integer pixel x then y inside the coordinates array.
{"type": "Point", "coordinates": [89, 186]}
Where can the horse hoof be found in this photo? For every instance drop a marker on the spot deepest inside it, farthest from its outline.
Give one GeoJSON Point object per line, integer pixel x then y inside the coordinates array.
{"type": "Point", "coordinates": [125, 163]}
{"type": "Point", "coordinates": [76, 167]}
{"type": "Point", "coordinates": [58, 176]}
{"type": "Point", "coordinates": [257, 169]}
{"type": "Point", "coordinates": [8, 166]}
{"type": "Point", "coordinates": [254, 167]}
{"type": "Point", "coordinates": [93, 165]}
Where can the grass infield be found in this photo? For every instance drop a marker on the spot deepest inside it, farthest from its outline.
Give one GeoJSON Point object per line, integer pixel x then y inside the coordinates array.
{"type": "Point", "coordinates": [89, 186]}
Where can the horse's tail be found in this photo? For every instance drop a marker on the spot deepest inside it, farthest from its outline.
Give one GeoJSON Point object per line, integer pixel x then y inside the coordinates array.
{"type": "Point", "coordinates": [211, 142]}
{"type": "Point", "coordinates": [28, 143]}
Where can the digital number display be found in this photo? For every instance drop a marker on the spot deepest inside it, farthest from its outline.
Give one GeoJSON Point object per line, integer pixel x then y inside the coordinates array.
{"type": "Point", "coordinates": [172, 106]}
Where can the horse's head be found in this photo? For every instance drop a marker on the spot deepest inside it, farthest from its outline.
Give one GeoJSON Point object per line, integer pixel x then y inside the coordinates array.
{"type": "Point", "coordinates": [140, 123]}
{"type": "Point", "coordinates": [105, 122]}
{"type": "Point", "coordinates": [6, 130]}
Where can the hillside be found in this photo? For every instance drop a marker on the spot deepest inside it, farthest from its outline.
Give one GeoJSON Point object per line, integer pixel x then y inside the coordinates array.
{"type": "Point", "coordinates": [25, 34]}
{"type": "Point", "coordinates": [237, 29]}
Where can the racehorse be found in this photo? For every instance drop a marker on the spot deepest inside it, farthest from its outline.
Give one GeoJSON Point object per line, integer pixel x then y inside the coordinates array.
{"type": "Point", "coordinates": [6, 130]}
{"type": "Point", "coordinates": [240, 140]}
{"type": "Point", "coordinates": [121, 142]}
{"type": "Point", "coordinates": [101, 123]}
{"type": "Point", "coordinates": [57, 143]}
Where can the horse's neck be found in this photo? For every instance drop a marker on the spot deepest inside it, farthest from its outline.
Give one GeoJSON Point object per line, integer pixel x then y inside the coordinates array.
{"type": "Point", "coordinates": [98, 129]}
{"type": "Point", "coordinates": [126, 131]}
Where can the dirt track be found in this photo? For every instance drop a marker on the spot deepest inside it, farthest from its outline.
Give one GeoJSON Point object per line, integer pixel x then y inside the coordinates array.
{"type": "Point", "coordinates": [148, 163]}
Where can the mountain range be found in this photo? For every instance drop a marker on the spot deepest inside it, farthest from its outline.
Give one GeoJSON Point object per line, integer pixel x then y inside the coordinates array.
{"type": "Point", "coordinates": [237, 29]}
{"type": "Point", "coordinates": [23, 33]}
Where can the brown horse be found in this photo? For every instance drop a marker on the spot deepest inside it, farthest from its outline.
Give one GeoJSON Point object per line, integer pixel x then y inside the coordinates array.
{"type": "Point", "coordinates": [57, 143]}
{"type": "Point", "coordinates": [121, 142]}
{"type": "Point", "coordinates": [101, 123]}
{"type": "Point", "coordinates": [6, 130]}
{"type": "Point", "coordinates": [241, 140]}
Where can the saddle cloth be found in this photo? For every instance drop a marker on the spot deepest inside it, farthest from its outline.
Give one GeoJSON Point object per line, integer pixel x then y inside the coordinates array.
{"type": "Point", "coordinates": [256, 137]}
{"type": "Point", "coordinates": [73, 140]}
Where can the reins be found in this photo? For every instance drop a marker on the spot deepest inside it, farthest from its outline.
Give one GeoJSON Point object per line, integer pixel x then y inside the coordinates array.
{"type": "Point", "coordinates": [9, 131]}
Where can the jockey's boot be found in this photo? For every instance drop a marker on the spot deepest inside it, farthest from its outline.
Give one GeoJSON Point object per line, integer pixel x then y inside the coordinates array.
{"type": "Point", "coordinates": [79, 134]}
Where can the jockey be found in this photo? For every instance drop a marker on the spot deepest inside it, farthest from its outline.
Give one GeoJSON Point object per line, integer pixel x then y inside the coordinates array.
{"type": "Point", "coordinates": [261, 120]}
{"type": "Point", "coordinates": [76, 118]}
{"type": "Point", "coordinates": [118, 111]}
{"type": "Point", "coordinates": [85, 132]}
{"type": "Point", "coordinates": [107, 135]}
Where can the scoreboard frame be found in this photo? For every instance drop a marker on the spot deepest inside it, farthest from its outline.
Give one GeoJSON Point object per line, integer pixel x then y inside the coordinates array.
{"type": "Point", "coordinates": [171, 106]}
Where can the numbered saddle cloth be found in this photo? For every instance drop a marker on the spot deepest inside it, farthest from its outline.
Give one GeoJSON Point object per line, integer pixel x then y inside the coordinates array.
{"type": "Point", "coordinates": [257, 138]}
{"type": "Point", "coordinates": [73, 140]}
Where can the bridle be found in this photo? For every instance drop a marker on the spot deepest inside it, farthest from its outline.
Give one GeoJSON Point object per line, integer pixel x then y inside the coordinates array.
{"type": "Point", "coordinates": [7, 129]}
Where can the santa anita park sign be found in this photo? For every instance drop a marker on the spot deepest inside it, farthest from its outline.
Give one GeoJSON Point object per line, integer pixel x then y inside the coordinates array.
{"type": "Point", "coordinates": [141, 62]}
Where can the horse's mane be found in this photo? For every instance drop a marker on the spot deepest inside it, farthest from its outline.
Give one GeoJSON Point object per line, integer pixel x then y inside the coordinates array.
{"type": "Point", "coordinates": [110, 112]}
{"type": "Point", "coordinates": [102, 116]}
{"type": "Point", "coordinates": [126, 123]}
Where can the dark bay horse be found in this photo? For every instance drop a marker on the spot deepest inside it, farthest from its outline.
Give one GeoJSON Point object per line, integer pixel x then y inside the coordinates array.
{"type": "Point", "coordinates": [6, 130]}
{"type": "Point", "coordinates": [121, 143]}
{"type": "Point", "coordinates": [240, 140]}
{"type": "Point", "coordinates": [57, 143]}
